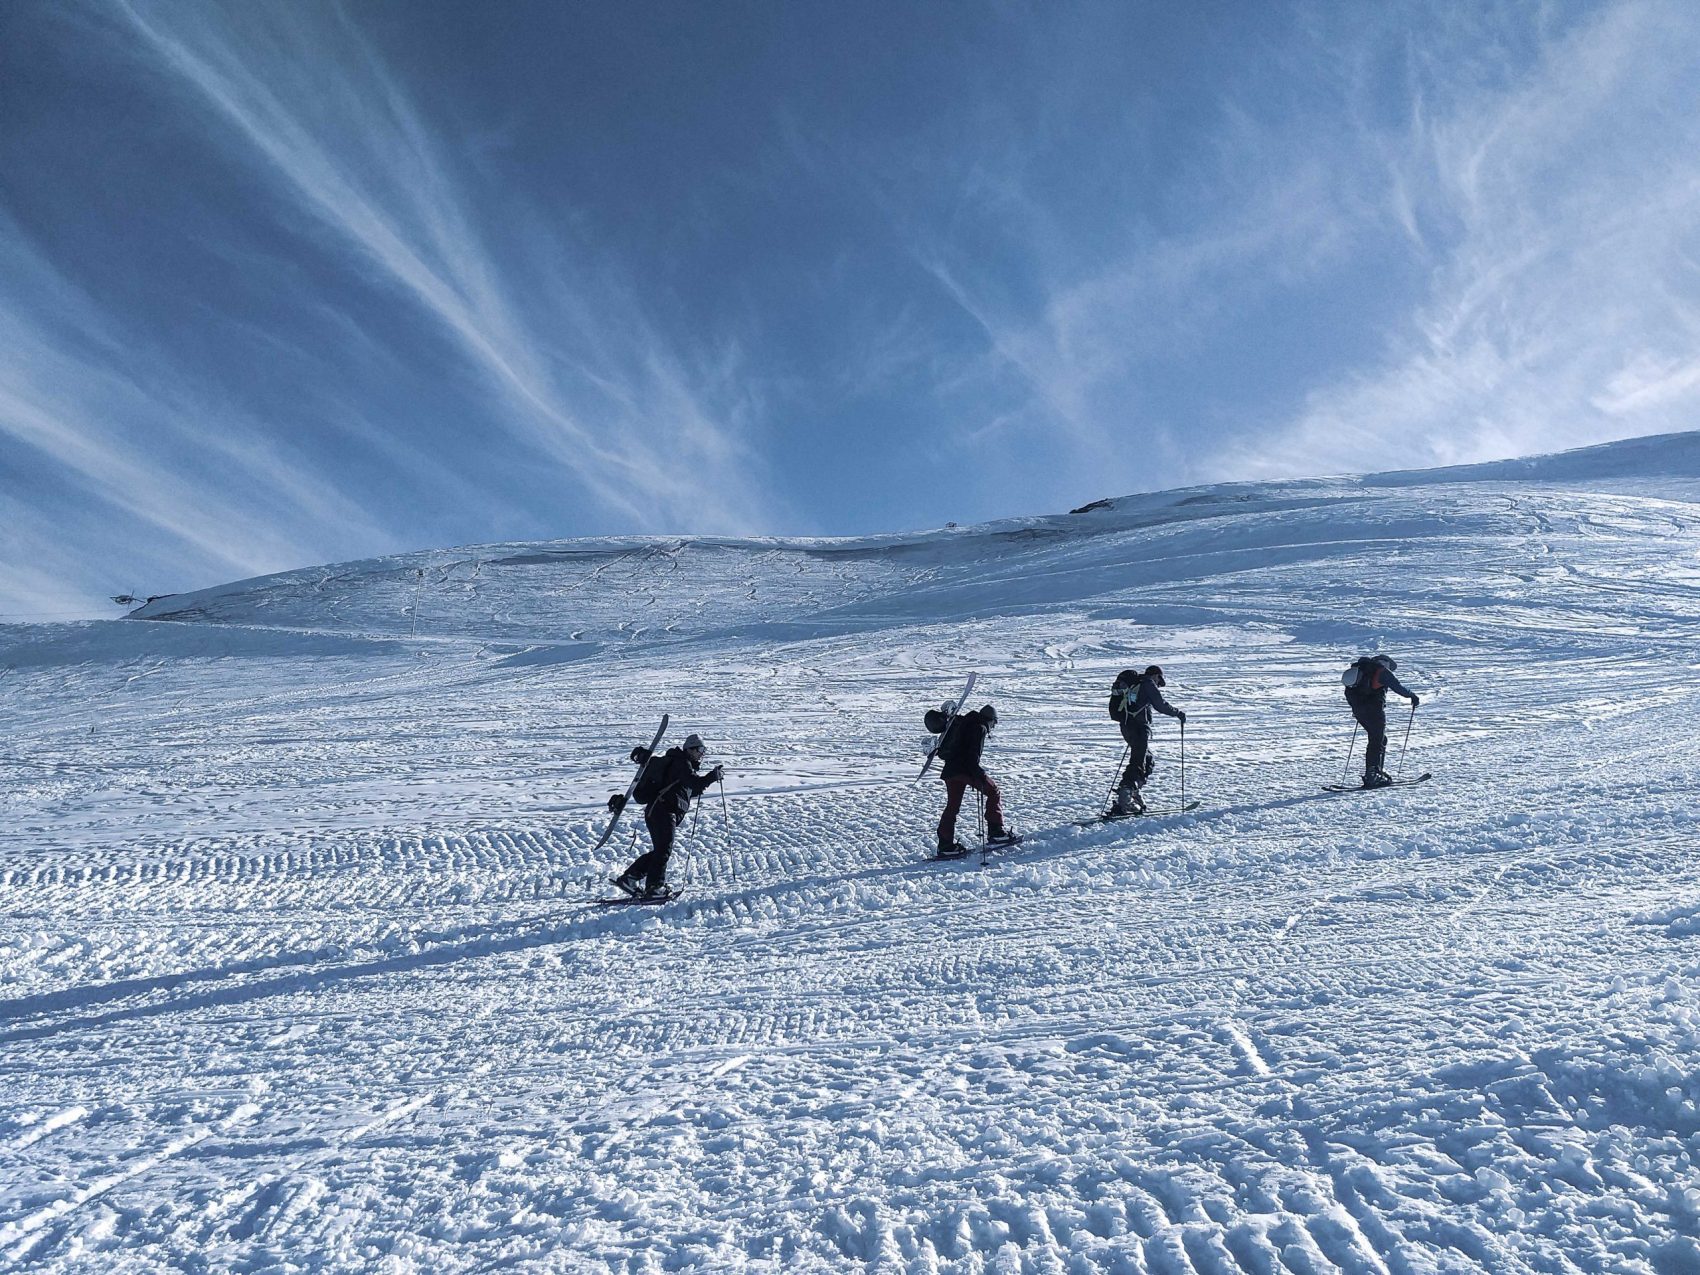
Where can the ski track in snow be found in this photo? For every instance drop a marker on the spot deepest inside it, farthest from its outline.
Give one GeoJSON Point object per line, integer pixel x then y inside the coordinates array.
{"type": "Point", "coordinates": [300, 971]}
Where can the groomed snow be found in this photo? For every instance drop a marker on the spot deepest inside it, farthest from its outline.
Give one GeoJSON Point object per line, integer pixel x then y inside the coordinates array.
{"type": "Point", "coordinates": [300, 970]}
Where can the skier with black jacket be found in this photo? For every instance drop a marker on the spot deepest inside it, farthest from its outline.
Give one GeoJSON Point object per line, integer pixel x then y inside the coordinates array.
{"type": "Point", "coordinates": [1366, 693]}
{"type": "Point", "coordinates": [668, 785]}
{"type": "Point", "coordinates": [961, 749]}
{"type": "Point", "coordinates": [1132, 698]}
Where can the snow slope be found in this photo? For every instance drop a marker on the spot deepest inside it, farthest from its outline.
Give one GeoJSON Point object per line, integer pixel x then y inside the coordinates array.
{"type": "Point", "coordinates": [299, 972]}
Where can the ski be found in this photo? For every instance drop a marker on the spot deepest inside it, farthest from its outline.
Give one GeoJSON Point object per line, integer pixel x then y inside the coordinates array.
{"type": "Point", "coordinates": [666, 895]}
{"type": "Point", "coordinates": [1397, 783]}
{"type": "Point", "coordinates": [1143, 814]}
{"type": "Point", "coordinates": [631, 787]}
{"type": "Point", "coordinates": [934, 750]}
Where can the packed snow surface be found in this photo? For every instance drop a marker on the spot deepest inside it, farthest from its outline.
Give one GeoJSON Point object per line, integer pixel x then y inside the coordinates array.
{"type": "Point", "coordinates": [301, 968]}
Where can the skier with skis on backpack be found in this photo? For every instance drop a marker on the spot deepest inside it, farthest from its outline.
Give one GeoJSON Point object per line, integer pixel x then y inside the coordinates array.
{"type": "Point", "coordinates": [668, 784]}
{"type": "Point", "coordinates": [1367, 682]}
{"type": "Point", "coordinates": [1132, 698]}
{"type": "Point", "coordinates": [960, 749]}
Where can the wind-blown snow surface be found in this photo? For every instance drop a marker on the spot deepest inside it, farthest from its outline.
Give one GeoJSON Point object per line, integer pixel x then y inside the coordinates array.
{"type": "Point", "coordinates": [300, 972]}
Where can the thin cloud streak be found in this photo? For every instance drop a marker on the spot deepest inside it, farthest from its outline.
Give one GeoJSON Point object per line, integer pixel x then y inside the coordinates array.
{"type": "Point", "coordinates": [1562, 217]}
{"type": "Point", "coordinates": [112, 422]}
{"type": "Point", "coordinates": [393, 198]}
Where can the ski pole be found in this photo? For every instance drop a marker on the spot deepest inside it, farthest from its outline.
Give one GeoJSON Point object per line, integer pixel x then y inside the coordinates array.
{"type": "Point", "coordinates": [723, 814]}
{"type": "Point", "coordinates": [1346, 774]}
{"type": "Point", "coordinates": [1409, 722]}
{"type": "Point", "coordinates": [1115, 778]}
{"type": "Point", "coordinates": [1183, 765]}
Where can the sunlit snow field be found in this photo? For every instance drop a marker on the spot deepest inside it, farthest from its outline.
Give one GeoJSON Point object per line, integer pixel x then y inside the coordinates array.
{"type": "Point", "coordinates": [300, 968]}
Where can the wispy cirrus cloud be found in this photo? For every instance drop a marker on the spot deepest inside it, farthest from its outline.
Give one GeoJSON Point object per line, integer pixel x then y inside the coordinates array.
{"type": "Point", "coordinates": [582, 374]}
{"type": "Point", "coordinates": [1402, 236]}
{"type": "Point", "coordinates": [1557, 217]}
{"type": "Point", "coordinates": [116, 462]}
{"type": "Point", "coordinates": [403, 334]}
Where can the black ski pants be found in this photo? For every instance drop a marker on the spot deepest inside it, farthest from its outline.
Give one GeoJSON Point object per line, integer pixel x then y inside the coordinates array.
{"type": "Point", "coordinates": [955, 787]}
{"type": "Point", "coordinates": [662, 824]}
{"type": "Point", "coordinates": [1372, 716]}
{"type": "Point", "coordinates": [1140, 761]}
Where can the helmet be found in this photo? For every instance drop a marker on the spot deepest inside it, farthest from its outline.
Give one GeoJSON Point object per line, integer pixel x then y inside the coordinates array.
{"type": "Point", "coordinates": [1156, 675]}
{"type": "Point", "coordinates": [989, 715]}
{"type": "Point", "coordinates": [1127, 677]}
{"type": "Point", "coordinates": [1387, 662]}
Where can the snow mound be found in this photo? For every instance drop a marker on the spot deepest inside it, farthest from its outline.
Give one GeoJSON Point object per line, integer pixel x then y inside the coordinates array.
{"type": "Point", "coordinates": [301, 968]}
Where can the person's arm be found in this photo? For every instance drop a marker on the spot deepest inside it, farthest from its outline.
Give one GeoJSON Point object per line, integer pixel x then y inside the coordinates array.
{"type": "Point", "coordinates": [1151, 697]}
{"type": "Point", "coordinates": [702, 783]}
{"type": "Point", "coordinates": [1393, 684]}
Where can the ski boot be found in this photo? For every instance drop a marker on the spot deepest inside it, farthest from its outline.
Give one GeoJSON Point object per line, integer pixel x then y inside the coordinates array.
{"type": "Point", "coordinates": [1002, 840]}
{"type": "Point", "coordinates": [1377, 779]}
{"type": "Point", "coordinates": [955, 850]}
{"type": "Point", "coordinates": [1128, 802]}
{"type": "Point", "coordinates": [627, 885]}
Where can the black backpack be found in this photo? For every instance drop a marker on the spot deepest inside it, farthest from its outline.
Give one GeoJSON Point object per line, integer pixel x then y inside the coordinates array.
{"type": "Point", "coordinates": [649, 784]}
{"type": "Point", "coordinates": [1125, 682]}
{"type": "Point", "coordinates": [952, 738]}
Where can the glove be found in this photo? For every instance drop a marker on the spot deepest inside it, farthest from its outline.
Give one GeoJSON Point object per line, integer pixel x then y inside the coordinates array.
{"type": "Point", "coordinates": [1180, 715]}
{"type": "Point", "coordinates": [617, 802]}
{"type": "Point", "coordinates": [715, 774]}
{"type": "Point", "coordinates": [640, 754]}
{"type": "Point", "coordinates": [1415, 700]}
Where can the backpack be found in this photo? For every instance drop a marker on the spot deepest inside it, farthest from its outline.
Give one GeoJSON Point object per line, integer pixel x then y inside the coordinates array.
{"type": "Point", "coordinates": [952, 738]}
{"type": "Point", "coordinates": [1360, 675]}
{"type": "Point", "coordinates": [1119, 692]}
{"type": "Point", "coordinates": [649, 784]}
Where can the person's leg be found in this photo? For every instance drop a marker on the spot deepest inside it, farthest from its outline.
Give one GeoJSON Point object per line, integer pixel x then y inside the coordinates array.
{"type": "Point", "coordinates": [1138, 756]}
{"type": "Point", "coordinates": [994, 803]}
{"type": "Point", "coordinates": [1128, 800]}
{"type": "Point", "coordinates": [954, 787]}
{"type": "Point", "coordinates": [1378, 740]}
{"type": "Point", "coordinates": [1373, 718]}
{"type": "Point", "coordinates": [652, 867]}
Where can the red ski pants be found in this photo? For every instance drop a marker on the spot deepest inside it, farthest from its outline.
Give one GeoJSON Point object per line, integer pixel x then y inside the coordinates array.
{"type": "Point", "coordinates": [955, 786]}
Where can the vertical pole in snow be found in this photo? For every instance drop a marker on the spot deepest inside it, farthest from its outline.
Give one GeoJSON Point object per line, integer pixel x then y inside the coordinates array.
{"type": "Point", "coordinates": [1411, 721]}
{"type": "Point", "coordinates": [1183, 765]}
{"type": "Point", "coordinates": [1115, 779]}
{"type": "Point", "coordinates": [1346, 774]}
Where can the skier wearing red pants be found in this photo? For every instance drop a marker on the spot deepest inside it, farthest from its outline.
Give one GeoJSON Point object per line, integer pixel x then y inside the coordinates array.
{"type": "Point", "coordinates": [960, 749]}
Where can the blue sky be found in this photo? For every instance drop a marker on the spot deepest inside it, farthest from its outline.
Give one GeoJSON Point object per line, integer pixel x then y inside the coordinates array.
{"type": "Point", "coordinates": [285, 282]}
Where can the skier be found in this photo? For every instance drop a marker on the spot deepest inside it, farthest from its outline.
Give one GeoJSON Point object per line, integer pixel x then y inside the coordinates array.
{"type": "Point", "coordinates": [961, 749]}
{"type": "Point", "coordinates": [1367, 695]}
{"type": "Point", "coordinates": [668, 785]}
{"type": "Point", "coordinates": [1132, 698]}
